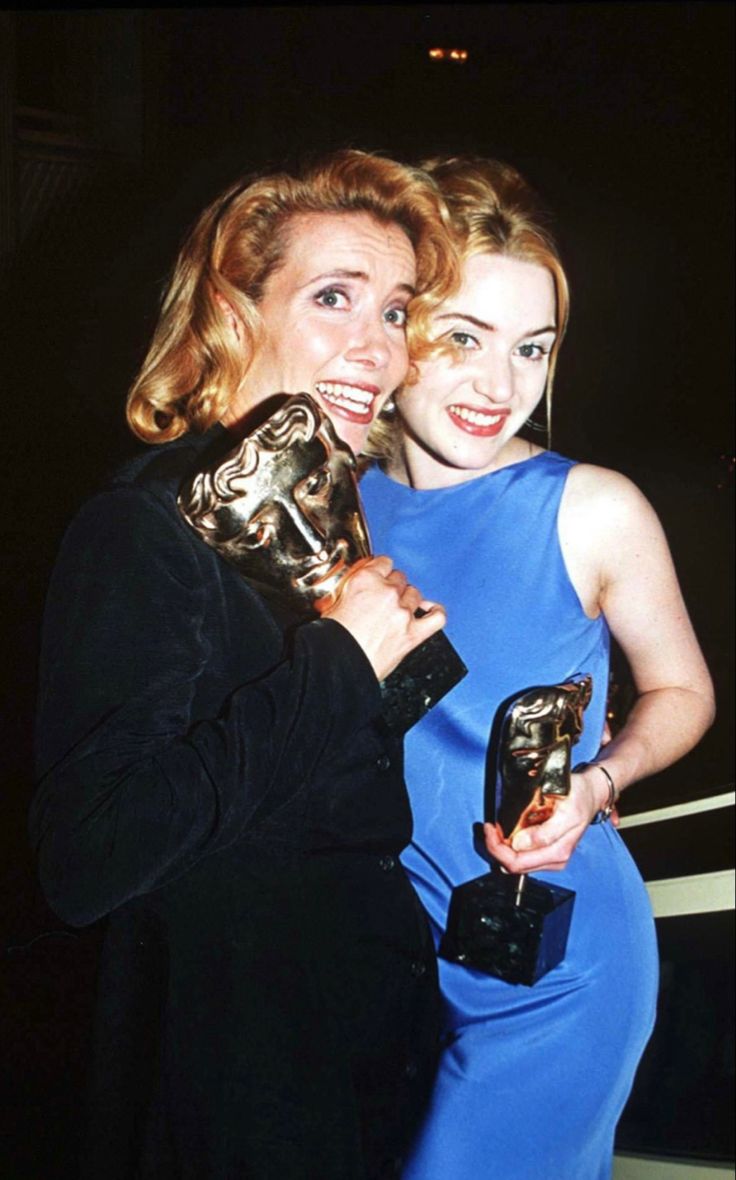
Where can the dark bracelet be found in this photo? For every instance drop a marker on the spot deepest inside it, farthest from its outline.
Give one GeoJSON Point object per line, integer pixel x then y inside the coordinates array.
{"type": "Point", "coordinates": [605, 814]}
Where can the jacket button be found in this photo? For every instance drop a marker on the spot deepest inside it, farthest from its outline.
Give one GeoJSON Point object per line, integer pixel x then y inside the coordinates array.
{"type": "Point", "coordinates": [384, 762]}
{"type": "Point", "coordinates": [387, 863]}
{"type": "Point", "coordinates": [411, 1070]}
{"type": "Point", "coordinates": [418, 969]}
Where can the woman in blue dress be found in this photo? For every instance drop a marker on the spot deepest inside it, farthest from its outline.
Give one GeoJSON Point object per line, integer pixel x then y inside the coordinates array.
{"type": "Point", "coordinates": [538, 560]}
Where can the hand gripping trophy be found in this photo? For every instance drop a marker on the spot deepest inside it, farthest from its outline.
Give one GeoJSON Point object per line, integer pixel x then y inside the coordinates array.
{"type": "Point", "coordinates": [283, 508]}
{"type": "Point", "coordinates": [504, 924]}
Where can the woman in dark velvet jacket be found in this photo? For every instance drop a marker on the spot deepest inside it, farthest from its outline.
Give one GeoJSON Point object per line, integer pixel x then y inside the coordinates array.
{"type": "Point", "coordinates": [212, 777]}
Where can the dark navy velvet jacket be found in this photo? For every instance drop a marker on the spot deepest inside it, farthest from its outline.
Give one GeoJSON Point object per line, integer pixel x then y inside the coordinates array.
{"type": "Point", "coordinates": [214, 779]}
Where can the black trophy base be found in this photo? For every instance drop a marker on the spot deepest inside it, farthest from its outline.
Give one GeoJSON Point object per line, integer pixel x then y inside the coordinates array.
{"type": "Point", "coordinates": [420, 681]}
{"type": "Point", "coordinates": [518, 937]}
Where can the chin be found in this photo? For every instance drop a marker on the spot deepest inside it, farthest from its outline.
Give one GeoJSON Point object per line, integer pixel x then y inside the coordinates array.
{"type": "Point", "coordinates": [473, 461]}
{"type": "Point", "coordinates": [354, 436]}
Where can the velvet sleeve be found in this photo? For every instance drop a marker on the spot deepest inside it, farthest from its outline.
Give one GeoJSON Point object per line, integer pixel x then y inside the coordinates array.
{"type": "Point", "coordinates": [137, 782]}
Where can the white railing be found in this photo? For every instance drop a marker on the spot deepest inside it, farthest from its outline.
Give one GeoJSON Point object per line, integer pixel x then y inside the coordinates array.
{"type": "Point", "coordinates": [700, 893]}
{"type": "Point", "coordinates": [694, 807]}
{"type": "Point", "coordinates": [630, 1167]}
{"type": "Point", "coordinates": [671, 897]}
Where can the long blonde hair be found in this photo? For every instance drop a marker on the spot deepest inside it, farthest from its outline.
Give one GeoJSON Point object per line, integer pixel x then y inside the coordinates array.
{"type": "Point", "coordinates": [193, 366]}
{"type": "Point", "coordinates": [493, 210]}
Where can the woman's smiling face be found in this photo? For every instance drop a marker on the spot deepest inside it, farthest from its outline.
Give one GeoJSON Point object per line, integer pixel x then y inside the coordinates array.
{"type": "Point", "coordinates": [334, 320]}
{"type": "Point", "coordinates": [465, 409]}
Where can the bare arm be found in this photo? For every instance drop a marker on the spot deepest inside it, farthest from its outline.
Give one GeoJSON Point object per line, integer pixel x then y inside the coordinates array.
{"type": "Point", "coordinates": [620, 564]}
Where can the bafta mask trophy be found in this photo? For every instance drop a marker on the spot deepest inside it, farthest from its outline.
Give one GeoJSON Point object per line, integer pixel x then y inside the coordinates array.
{"type": "Point", "coordinates": [506, 925]}
{"type": "Point", "coordinates": [283, 508]}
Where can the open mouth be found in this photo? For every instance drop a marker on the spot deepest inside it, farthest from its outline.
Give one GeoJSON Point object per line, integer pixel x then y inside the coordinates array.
{"type": "Point", "coordinates": [351, 401]}
{"type": "Point", "coordinates": [480, 422]}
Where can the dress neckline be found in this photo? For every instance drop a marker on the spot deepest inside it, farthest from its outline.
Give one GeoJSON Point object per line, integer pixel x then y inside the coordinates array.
{"type": "Point", "coordinates": [447, 489]}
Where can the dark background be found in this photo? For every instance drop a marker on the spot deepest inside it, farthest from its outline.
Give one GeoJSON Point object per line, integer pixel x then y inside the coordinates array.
{"type": "Point", "coordinates": [119, 125]}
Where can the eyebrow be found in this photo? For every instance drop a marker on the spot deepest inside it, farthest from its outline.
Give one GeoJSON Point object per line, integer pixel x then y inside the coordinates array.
{"type": "Point", "coordinates": [471, 319]}
{"type": "Point", "coordinates": [353, 274]}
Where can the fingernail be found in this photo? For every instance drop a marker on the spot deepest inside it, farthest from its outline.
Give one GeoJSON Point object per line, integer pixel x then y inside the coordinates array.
{"type": "Point", "coordinates": [521, 842]}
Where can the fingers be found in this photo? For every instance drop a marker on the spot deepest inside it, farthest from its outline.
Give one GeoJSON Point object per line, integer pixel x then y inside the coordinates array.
{"type": "Point", "coordinates": [552, 857]}
{"type": "Point", "coordinates": [432, 619]}
{"type": "Point", "coordinates": [400, 582]}
{"type": "Point", "coordinates": [542, 835]}
{"type": "Point", "coordinates": [548, 846]}
{"type": "Point", "coordinates": [382, 565]}
{"type": "Point", "coordinates": [378, 606]}
{"type": "Point", "coordinates": [429, 616]}
{"type": "Point", "coordinates": [369, 567]}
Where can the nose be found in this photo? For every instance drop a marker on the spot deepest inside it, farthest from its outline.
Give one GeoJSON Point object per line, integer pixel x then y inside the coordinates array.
{"type": "Point", "coordinates": [306, 528]}
{"type": "Point", "coordinates": [369, 345]}
{"type": "Point", "coordinates": [493, 378]}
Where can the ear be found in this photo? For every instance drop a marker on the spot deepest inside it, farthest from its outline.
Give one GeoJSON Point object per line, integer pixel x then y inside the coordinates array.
{"type": "Point", "coordinates": [231, 316]}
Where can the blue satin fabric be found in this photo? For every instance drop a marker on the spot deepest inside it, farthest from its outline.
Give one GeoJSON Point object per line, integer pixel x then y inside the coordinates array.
{"type": "Point", "coordinates": [533, 1080]}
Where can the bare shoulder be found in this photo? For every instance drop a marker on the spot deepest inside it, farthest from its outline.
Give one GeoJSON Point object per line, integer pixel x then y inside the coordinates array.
{"type": "Point", "coordinates": [619, 562]}
{"type": "Point", "coordinates": [600, 501]}
{"type": "Point", "coordinates": [608, 531]}
{"type": "Point", "coordinates": [602, 488]}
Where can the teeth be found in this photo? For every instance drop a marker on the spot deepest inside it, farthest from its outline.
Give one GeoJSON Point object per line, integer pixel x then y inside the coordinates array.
{"type": "Point", "coordinates": [475, 417]}
{"type": "Point", "coordinates": [347, 396]}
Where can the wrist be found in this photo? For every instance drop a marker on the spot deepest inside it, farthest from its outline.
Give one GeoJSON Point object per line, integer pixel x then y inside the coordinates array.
{"type": "Point", "coordinates": [607, 792]}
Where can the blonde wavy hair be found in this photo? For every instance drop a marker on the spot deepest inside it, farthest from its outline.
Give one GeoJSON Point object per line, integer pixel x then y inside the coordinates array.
{"type": "Point", "coordinates": [493, 210]}
{"type": "Point", "coordinates": [194, 366]}
{"type": "Point", "coordinates": [490, 209]}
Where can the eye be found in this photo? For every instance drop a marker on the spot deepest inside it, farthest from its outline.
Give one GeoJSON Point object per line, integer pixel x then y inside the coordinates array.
{"type": "Point", "coordinates": [532, 352]}
{"type": "Point", "coordinates": [332, 297]}
{"type": "Point", "coordinates": [258, 534]}
{"type": "Point", "coordinates": [316, 483]}
{"type": "Point", "coordinates": [464, 340]}
{"type": "Point", "coordinates": [396, 316]}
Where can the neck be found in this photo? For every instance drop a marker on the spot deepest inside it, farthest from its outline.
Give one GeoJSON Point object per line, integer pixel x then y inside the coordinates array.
{"type": "Point", "coordinates": [416, 467]}
{"type": "Point", "coordinates": [241, 418]}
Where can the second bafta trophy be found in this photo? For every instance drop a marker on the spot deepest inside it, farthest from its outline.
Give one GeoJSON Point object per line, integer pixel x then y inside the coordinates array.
{"type": "Point", "coordinates": [507, 925]}
{"type": "Point", "coordinates": [283, 508]}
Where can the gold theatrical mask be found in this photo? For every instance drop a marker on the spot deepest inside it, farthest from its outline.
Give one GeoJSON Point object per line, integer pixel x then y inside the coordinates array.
{"type": "Point", "coordinates": [538, 733]}
{"type": "Point", "coordinates": [283, 507]}
{"type": "Point", "coordinates": [508, 925]}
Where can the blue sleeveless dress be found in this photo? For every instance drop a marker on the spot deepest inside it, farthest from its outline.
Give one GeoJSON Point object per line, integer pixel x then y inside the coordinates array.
{"type": "Point", "coordinates": [532, 1080]}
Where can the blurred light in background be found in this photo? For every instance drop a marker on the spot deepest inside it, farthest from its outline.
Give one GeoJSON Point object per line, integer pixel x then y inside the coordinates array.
{"type": "Point", "coordinates": [459, 55]}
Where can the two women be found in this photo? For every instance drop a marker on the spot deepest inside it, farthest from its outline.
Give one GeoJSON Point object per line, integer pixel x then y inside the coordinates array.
{"type": "Point", "coordinates": [213, 777]}
{"type": "Point", "coordinates": [537, 560]}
